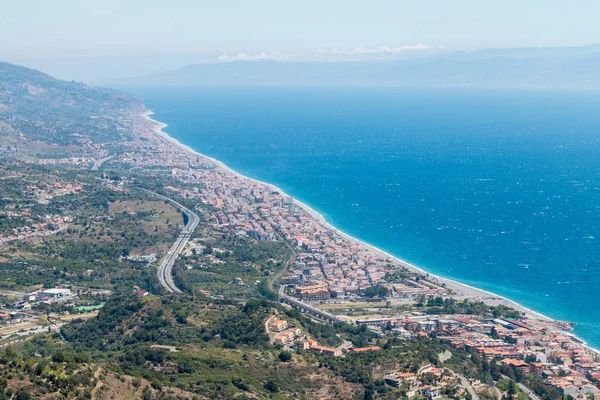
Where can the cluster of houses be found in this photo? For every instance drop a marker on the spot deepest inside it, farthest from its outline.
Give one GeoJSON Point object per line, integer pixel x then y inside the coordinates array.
{"type": "Point", "coordinates": [428, 381]}
{"type": "Point", "coordinates": [50, 224]}
{"type": "Point", "coordinates": [283, 334]}
{"type": "Point", "coordinates": [45, 194]}
{"type": "Point", "coordinates": [529, 346]}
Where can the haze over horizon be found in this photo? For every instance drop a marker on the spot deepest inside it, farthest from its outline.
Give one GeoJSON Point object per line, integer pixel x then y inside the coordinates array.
{"type": "Point", "coordinates": [94, 42]}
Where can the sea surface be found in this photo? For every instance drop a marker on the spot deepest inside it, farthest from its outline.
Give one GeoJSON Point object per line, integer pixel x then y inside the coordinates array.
{"type": "Point", "coordinates": [497, 189]}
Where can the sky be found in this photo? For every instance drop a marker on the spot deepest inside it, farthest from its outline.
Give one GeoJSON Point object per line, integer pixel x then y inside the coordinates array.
{"type": "Point", "coordinates": [123, 37]}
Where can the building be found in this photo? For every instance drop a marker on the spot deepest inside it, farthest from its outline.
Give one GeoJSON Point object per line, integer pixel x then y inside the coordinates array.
{"type": "Point", "coordinates": [431, 392]}
{"type": "Point", "coordinates": [279, 325]}
{"type": "Point", "coordinates": [328, 351]}
{"type": "Point", "coordinates": [291, 280]}
{"type": "Point", "coordinates": [55, 293]}
{"type": "Point", "coordinates": [516, 364]}
{"type": "Point", "coordinates": [313, 293]}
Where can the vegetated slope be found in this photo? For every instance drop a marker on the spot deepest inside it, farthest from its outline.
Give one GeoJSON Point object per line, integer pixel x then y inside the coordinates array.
{"type": "Point", "coordinates": [219, 349]}
{"type": "Point", "coordinates": [38, 107]}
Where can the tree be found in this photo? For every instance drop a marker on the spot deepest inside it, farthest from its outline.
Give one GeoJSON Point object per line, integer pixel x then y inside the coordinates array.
{"type": "Point", "coordinates": [512, 388]}
{"type": "Point", "coordinates": [271, 386]}
{"type": "Point", "coordinates": [146, 394]}
{"type": "Point", "coordinates": [376, 291]}
{"type": "Point", "coordinates": [285, 356]}
{"type": "Point", "coordinates": [22, 394]}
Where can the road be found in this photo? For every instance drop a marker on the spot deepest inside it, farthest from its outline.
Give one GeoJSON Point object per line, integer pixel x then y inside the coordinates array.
{"type": "Point", "coordinates": [525, 389]}
{"type": "Point", "coordinates": [101, 161]}
{"type": "Point", "coordinates": [467, 385]}
{"type": "Point", "coordinates": [284, 270]}
{"type": "Point", "coordinates": [529, 392]}
{"type": "Point", "coordinates": [165, 270]}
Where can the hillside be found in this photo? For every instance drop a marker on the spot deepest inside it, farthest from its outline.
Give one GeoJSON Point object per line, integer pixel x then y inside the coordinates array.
{"type": "Point", "coordinates": [35, 107]}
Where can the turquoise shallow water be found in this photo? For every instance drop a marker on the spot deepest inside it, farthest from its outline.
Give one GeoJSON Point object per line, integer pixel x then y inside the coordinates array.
{"type": "Point", "coordinates": [498, 189]}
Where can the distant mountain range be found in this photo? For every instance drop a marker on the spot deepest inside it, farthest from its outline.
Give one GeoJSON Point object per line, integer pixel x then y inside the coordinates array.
{"type": "Point", "coordinates": [568, 67]}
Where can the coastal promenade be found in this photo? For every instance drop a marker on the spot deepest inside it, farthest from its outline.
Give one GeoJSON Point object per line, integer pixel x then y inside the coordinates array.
{"type": "Point", "coordinates": [165, 270]}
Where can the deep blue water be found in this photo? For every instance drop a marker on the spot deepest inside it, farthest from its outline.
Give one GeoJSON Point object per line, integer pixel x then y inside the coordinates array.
{"type": "Point", "coordinates": [498, 189]}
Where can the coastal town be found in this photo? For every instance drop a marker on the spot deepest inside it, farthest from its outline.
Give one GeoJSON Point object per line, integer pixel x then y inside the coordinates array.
{"type": "Point", "coordinates": [330, 270]}
{"type": "Point", "coordinates": [330, 267]}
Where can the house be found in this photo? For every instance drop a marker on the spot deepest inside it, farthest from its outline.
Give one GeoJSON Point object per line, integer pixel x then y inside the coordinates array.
{"type": "Point", "coordinates": [427, 325]}
{"type": "Point", "coordinates": [568, 390]}
{"type": "Point", "coordinates": [21, 305]}
{"type": "Point", "coordinates": [516, 364]}
{"type": "Point", "coordinates": [280, 325]}
{"type": "Point", "coordinates": [393, 380]}
{"type": "Point", "coordinates": [30, 297]}
{"type": "Point", "coordinates": [431, 392]}
{"type": "Point", "coordinates": [329, 351]}
{"type": "Point", "coordinates": [435, 373]}
{"type": "Point", "coordinates": [307, 343]}
{"type": "Point", "coordinates": [397, 379]}
{"type": "Point", "coordinates": [537, 367]}
{"type": "Point", "coordinates": [284, 338]}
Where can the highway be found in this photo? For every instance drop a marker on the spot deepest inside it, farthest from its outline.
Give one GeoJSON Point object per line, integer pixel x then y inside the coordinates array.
{"type": "Point", "coordinates": [101, 161]}
{"type": "Point", "coordinates": [165, 270]}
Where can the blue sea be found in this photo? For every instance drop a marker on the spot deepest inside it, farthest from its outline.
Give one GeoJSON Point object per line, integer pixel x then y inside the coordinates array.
{"type": "Point", "coordinates": [498, 189]}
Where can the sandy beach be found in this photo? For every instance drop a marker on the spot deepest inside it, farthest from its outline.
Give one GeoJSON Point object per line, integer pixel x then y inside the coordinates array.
{"type": "Point", "coordinates": [460, 290]}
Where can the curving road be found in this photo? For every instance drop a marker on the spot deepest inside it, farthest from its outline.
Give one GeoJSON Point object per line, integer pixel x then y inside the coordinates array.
{"type": "Point", "coordinates": [529, 392]}
{"type": "Point", "coordinates": [101, 161]}
{"type": "Point", "coordinates": [466, 384]}
{"type": "Point", "coordinates": [165, 270]}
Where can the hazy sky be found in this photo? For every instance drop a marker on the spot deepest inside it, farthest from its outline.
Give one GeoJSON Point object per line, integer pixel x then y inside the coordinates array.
{"type": "Point", "coordinates": [56, 30]}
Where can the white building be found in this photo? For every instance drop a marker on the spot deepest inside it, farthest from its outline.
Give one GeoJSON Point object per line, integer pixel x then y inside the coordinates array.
{"type": "Point", "coordinates": [55, 293]}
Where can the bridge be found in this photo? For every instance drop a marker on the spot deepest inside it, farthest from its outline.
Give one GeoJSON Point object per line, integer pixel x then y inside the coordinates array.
{"type": "Point", "coordinates": [307, 308]}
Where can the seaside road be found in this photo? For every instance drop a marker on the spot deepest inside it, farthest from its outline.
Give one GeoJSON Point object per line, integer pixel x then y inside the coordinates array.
{"type": "Point", "coordinates": [165, 270]}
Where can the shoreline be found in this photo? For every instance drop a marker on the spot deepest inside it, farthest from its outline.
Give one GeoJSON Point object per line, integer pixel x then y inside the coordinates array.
{"type": "Point", "coordinates": [465, 290]}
